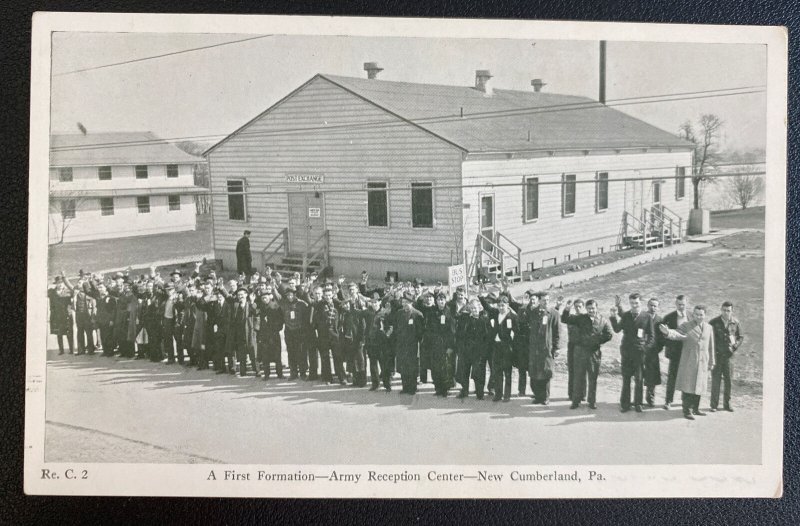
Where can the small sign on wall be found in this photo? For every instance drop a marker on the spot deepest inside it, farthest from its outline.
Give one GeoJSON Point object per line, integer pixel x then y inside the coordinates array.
{"type": "Point", "coordinates": [314, 212]}
{"type": "Point", "coordinates": [305, 178]}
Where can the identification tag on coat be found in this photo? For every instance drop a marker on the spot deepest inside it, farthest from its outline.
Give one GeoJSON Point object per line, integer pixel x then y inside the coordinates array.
{"type": "Point", "coordinates": [544, 320]}
{"type": "Point", "coordinates": [497, 337]}
{"type": "Point", "coordinates": [441, 319]}
{"type": "Point", "coordinates": [732, 338]}
{"type": "Point", "coordinates": [411, 321]}
{"type": "Point", "coordinates": [291, 315]}
{"type": "Point", "coordinates": [492, 322]}
{"type": "Point", "coordinates": [508, 324]}
{"type": "Point", "coordinates": [640, 333]}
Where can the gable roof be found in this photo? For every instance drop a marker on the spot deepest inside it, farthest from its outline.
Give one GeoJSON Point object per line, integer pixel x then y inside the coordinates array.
{"type": "Point", "coordinates": [503, 121]}
{"type": "Point", "coordinates": [506, 121]}
{"type": "Point", "coordinates": [115, 148]}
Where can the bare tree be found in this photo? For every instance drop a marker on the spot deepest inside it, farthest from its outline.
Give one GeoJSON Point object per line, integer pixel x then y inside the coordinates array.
{"type": "Point", "coordinates": [743, 190]}
{"type": "Point", "coordinates": [706, 149]}
{"type": "Point", "coordinates": [63, 210]}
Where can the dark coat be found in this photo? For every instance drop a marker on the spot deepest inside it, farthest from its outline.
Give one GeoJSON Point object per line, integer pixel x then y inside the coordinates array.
{"type": "Point", "coordinates": [60, 312]}
{"type": "Point", "coordinates": [543, 342]}
{"type": "Point", "coordinates": [270, 326]}
{"type": "Point", "coordinates": [408, 328]}
{"type": "Point", "coordinates": [503, 335]}
{"type": "Point", "coordinates": [376, 341]}
{"type": "Point", "coordinates": [591, 333]}
{"type": "Point", "coordinates": [476, 336]}
{"type": "Point", "coordinates": [106, 311]}
{"type": "Point", "coordinates": [242, 328]}
{"type": "Point", "coordinates": [672, 348]}
{"type": "Point", "coordinates": [638, 336]}
{"type": "Point", "coordinates": [244, 260]}
{"type": "Point", "coordinates": [727, 337]}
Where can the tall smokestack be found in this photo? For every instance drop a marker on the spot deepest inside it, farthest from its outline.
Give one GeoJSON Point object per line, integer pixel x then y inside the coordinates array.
{"type": "Point", "coordinates": [602, 95]}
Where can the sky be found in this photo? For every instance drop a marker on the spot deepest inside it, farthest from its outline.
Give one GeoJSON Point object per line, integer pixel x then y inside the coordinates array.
{"type": "Point", "coordinates": [212, 92]}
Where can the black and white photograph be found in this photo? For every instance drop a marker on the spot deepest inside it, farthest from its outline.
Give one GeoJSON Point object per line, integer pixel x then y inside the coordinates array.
{"type": "Point", "coordinates": [299, 256]}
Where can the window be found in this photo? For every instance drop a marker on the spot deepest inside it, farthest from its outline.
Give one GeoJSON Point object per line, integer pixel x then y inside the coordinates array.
{"type": "Point", "coordinates": [568, 194]}
{"type": "Point", "coordinates": [174, 202]}
{"type": "Point", "coordinates": [68, 209]}
{"type": "Point", "coordinates": [65, 175]}
{"type": "Point", "coordinates": [422, 205]}
{"type": "Point", "coordinates": [531, 198]}
{"type": "Point", "coordinates": [236, 203]}
{"type": "Point", "coordinates": [143, 203]}
{"type": "Point", "coordinates": [172, 170]}
{"type": "Point", "coordinates": [656, 193]}
{"type": "Point", "coordinates": [377, 204]}
{"type": "Point", "coordinates": [104, 173]}
{"type": "Point", "coordinates": [107, 206]}
{"type": "Point", "coordinates": [141, 171]}
{"type": "Point", "coordinates": [602, 191]}
{"type": "Point", "coordinates": [680, 182]}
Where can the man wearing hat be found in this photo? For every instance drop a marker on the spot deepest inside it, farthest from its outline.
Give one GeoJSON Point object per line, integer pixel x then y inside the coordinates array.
{"type": "Point", "coordinates": [543, 344]}
{"type": "Point", "coordinates": [269, 331]}
{"type": "Point", "coordinates": [407, 328]}
{"type": "Point", "coordinates": [106, 310]}
{"type": "Point", "coordinates": [244, 259]}
{"type": "Point", "coordinates": [439, 342]}
{"type": "Point", "coordinates": [295, 312]}
{"type": "Point", "coordinates": [242, 331]}
{"type": "Point", "coordinates": [522, 340]}
{"type": "Point", "coordinates": [376, 341]}
{"type": "Point", "coordinates": [425, 304]}
{"type": "Point", "coordinates": [327, 320]}
{"type": "Point", "coordinates": [85, 315]}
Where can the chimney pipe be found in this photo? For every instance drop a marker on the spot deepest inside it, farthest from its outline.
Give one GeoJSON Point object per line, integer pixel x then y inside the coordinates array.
{"type": "Point", "coordinates": [602, 95]}
{"type": "Point", "coordinates": [482, 77]}
{"type": "Point", "coordinates": [538, 85]}
{"type": "Point", "coordinates": [372, 69]}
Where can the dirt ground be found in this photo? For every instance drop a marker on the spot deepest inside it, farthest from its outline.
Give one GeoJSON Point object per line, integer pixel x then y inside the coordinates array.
{"type": "Point", "coordinates": [709, 276]}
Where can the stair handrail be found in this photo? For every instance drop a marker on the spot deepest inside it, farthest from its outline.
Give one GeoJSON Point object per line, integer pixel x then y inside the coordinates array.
{"type": "Point", "coordinates": [310, 256]}
{"type": "Point", "coordinates": [283, 235]}
{"type": "Point", "coordinates": [503, 251]}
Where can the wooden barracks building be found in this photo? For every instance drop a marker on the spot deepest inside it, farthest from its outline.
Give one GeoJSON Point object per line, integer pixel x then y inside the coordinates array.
{"type": "Point", "coordinates": [362, 173]}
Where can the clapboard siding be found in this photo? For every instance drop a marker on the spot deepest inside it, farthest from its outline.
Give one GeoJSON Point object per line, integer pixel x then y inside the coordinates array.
{"type": "Point", "coordinates": [349, 141]}
{"type": "Point", "coordinates": [553, 235]}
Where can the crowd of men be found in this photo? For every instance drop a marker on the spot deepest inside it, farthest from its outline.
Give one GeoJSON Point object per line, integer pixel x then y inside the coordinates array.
{"type": "Point", "coordinates": [356, 334]}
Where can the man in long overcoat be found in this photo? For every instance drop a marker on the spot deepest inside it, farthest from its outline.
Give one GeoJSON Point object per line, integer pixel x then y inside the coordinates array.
{"type": "Point", "coordinates": [408, 325]}
{"type": "Point", "coordinates": [439, 342]}
{"type": "Point", "coordinates": [242, 330]}
{"type": "Point", "coordinates": [697, 359]}
{"type": "Point", "coordinates": [244, 259]}
{"type": "Point", "coordinates": [543, 345]}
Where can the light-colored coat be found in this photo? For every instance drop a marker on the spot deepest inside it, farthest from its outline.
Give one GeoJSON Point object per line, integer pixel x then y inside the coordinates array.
{"type": "Point", "coordinates": [697, 356]}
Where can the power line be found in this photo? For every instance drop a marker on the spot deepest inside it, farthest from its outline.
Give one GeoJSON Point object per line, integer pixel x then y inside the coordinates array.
{"type": "Point", "coordinates": [670, 97]}
{"type": "Point", "coordinates": [172, 53]}
{"type": "Point", "coordinates": [486, 186]}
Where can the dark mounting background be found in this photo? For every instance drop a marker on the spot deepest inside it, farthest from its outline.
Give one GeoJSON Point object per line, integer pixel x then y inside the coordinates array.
{"type": "Point", "coordinates": [19, 509]}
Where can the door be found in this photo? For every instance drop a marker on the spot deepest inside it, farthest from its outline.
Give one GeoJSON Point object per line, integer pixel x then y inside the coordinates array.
{"type": "Point", "coordinates": [306, 220]}
{"type": "Point", "coordinates": [487, 221]}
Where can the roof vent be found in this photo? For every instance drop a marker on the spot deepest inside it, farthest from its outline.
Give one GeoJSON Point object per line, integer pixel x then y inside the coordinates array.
{"type": "Point", "coordinates": [482, 77]}
{"type": "Point", "coordinates": [538, 85]}
{"type": "Point", "coordinates": [372, 69]}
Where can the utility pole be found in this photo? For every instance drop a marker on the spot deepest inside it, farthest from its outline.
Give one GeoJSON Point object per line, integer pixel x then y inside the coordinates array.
{"type": "Point", "coordinates": [602, 96]}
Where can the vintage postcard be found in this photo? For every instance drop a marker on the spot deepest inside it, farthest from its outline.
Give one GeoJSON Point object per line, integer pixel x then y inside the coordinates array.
{"type": "Point", "coordinates": [360, 257]}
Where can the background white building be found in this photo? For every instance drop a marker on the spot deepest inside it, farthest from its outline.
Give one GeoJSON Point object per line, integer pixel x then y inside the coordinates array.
{"type": "Point", "coordinates": [109, 185]}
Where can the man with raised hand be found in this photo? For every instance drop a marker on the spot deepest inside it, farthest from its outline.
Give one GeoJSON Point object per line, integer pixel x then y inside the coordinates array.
{"type": "Point", "coordinates": [592, 330]}
{"type": "Point", "coordinates": [638, 335]}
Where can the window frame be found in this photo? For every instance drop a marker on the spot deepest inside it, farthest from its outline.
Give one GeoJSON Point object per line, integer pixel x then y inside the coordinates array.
{"type": "Point", "coordinates": [169, 203]}
{"type": "Point", "coordinates": [423, 185]}
{"type": "Point", "coordinates": [136, 170]}
{"type": "Point", "coordinates": [657, 187]}
{"type": "Point", "coordinates": [104, 209]}
{"type": "Point", "coordinates": [65, 170]}
{"type": "Point", "coordinates": [139, 204]}
{"type": "Point", "coordinates": [599, 182]}
{"type": "Point", "coordinates": [177, 171]}
{"type": "Point", "coordinates": [526, 183]}
{"type": "Point", "coordinates": [101, 169]}
{"type": "Point", "coordinates": [64, 209]}
{"type": "Point", "coordinates": [564, 184]}
{"type": "Point", "coordinates": [680, 182]}
{"type": "Point", "coordinates": [385, 191]}
{"type": "Point", "coordinates": [243, 195]}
